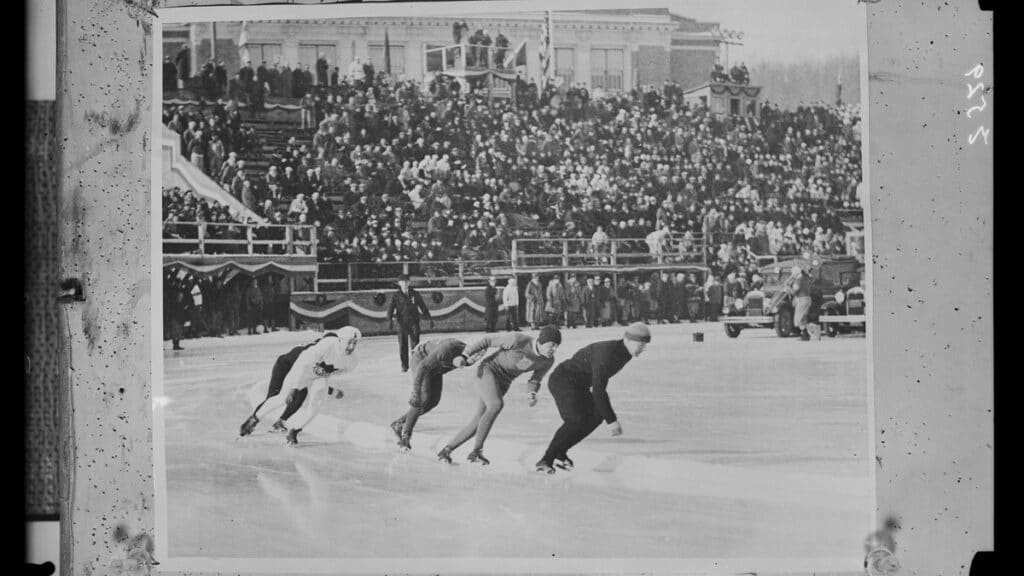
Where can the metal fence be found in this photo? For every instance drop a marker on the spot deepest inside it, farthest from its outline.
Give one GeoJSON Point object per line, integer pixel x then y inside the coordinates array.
{"type": "Point", "coordinates": [212, 238]}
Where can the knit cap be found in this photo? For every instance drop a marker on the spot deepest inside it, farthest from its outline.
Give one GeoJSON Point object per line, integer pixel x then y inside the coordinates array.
{"type": "Point", "coordinates": [638, 331]}
{"type": "Point", "coordinates": [549, 333]}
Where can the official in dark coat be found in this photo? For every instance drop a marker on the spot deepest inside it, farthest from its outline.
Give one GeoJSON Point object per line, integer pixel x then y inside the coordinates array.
{"type": "Point", "coordinates": [491, 302]}
{"type": "Point", "coordinates": [408, 306]}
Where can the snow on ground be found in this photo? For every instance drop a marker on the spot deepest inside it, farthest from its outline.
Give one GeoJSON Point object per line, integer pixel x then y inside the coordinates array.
{"type": "Point", "coordinates": [747, 447]}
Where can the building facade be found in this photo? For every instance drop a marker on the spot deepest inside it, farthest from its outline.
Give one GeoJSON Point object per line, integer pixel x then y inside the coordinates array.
{"type": "Point", "coordinates": [606, 49]}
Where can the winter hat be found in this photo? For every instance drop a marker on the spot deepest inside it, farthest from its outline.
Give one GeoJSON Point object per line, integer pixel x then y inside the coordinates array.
{"type": "Point", "coordinates": [549, 333]}
{"type": "Point", "coordinates": [639, 332]}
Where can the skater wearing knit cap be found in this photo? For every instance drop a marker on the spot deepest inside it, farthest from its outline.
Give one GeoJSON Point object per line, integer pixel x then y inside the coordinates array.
{"type": "Point", "coordinates": [516, 354]}
{"type": "Point", "coordinates": [578, 387]}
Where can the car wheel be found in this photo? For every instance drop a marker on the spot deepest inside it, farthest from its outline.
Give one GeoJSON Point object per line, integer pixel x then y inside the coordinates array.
{"type": "Point", "coordinates": [784, 323]}
{"type": "Point", "coordinates": [831, 328]}
{"type": "Point", "coordinates": [732, 330]}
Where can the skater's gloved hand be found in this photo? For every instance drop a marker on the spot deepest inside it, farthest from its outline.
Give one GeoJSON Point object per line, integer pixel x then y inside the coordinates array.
{"type": "Point", "coordinates": [460, 361]}
{"type": "Point", "coordinates": [532, 396]}
{"type": "Point", "coordinates": [616, 428]}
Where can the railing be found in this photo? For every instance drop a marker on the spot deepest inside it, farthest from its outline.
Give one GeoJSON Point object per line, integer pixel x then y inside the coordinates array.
{"type": "Point", "coordinates": [461, 57]}
{"type": "Point", "coordinates": [369, 275]}
{"type": "Point", "coordinates": [572, 252]}
{"type": "Point", "coordinates": [209, 238]}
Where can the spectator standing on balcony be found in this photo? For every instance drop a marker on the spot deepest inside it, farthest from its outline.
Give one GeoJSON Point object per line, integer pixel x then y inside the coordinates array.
{"type": "Point", "coordinates": [220, 75]}
{"type": "Point", "coordinates": [321, 71]}
{"type": "Point", "coordinates": [238, 183]}
{"type": "Point", "coordinates": [170, 75]}
{"type": "Point", "coordinates": [216, 155]}
{"type": "Point", "coordinates": [510, 299]}
{"type": "Point", "coordinates": [249, 196]}
{"type": "Point", "coordinates": [287, 87]}
{"type": "Point", "coordinates": [246, 78]}
{"type": "Point", "coordinates": [273, 179]}
{"type": "Point", "coordinates": [269, 293]}
{"type": "Point", "coordinates": [232, 307]}
{"type": "Point", "coordinates": [183, 62]}
{"type": "Point", "coordinates": [534, 302]}
{"type": "Point", "coordinates": [555, 301]}
{"type": "Point", "coordinates": [298, 206]}
{"type": "Point", "coordinates": [196, 311]}
{"type": "Point", "coordinates": [491, 304]}
{"type": "Point", "coordinates": [253, 306]}
{"type": "Point", "coordinates": [573, 301]}
{"type": "Point", "coordinates": [408, 305]}
{"type": "Point", "coordinates": [197, 151]}
{"type": "Point", "coordinates": [307, 108]}
{"type": "Point", "coordinates": [355, 71]}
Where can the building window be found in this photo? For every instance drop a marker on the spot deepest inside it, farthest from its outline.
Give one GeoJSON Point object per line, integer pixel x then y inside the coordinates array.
{"type": "Point", "coordinates": [606, 67]}
{"type": "Point", "coordinates": [734, 106]}
{"type": "Point", "coordinates": [310, 53]}
{"type": "Point", "coordinates": [718, 105]}
{"type": "Point", "coordinates": [260, 53]}
{"type": "Point", "coordinates": [397, 58]}
{"type": "Point", "coordinates": [564, 64]}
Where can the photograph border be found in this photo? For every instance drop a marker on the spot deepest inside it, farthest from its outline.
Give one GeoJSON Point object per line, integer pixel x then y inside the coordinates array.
{"type": "Point", "coordinates": [223, 13]}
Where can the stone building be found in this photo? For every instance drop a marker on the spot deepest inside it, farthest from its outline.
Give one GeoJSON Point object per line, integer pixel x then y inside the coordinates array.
{"type": "Point", "coordinates": [609, 49]}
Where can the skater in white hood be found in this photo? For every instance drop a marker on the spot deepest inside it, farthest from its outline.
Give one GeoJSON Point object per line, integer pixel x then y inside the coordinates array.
{"type": "Point", "coordinates": [311, 377]}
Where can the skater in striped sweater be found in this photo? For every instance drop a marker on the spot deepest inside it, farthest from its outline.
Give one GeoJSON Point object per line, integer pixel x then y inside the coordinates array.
{"type": "Point", "coordinates": [516, 354]}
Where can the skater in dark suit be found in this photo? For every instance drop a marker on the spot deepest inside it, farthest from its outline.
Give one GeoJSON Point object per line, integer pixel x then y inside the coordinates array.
{"type": "Point", "coordinates": [430, 362]}
{"type": "Point", "coordinates": [578, 387]}
{"type": "Point", "coordinates": [408, 305]}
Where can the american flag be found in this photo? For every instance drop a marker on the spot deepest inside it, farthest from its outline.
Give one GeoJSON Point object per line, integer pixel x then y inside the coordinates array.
{"type": "Point", "coordinates": [544, 51]}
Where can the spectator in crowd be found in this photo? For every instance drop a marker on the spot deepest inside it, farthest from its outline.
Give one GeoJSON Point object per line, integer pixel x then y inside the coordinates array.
{"type": "Point", "coordinates": [694, 298]}
{"type": "Point", "coordinates": [254, 306]}
{"type": "Point", "coordinates": [714, 298]}
{"type": "Point", "coordinates": [510, 299]}
{"type": "Point", "coordinates": [588, 301]}
{"type": "Point", "coordinates": [606, 302]}
{"type": "Point", "coordinates": [183, 62]}
{"type": "Point", "coordinates": [554, 301]}
{"type": "Point", "coordinates": [534, 302]}
{"type": "Point", "coordinates": [269, 296]}
{"type": "Point", "coordinates": [491, 304]}
{"type": "Point", "coordinates": [573, 301]}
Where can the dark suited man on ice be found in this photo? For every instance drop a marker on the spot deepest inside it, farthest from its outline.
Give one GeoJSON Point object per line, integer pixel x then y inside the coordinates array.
{"type": "Point", "coordinates": [408, 305]}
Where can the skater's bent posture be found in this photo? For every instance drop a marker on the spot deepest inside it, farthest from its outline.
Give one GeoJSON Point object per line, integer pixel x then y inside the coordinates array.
{"type": "Point", "coordinates": [282, 366]}
{"type": "Point", "coordinates": [308, 378]}
{"type": "Point", "coordinates": [516, 354]}
{"type": "Point", "coordinates": [578, 387]}
{"type": "Point", "coordinates": [431, 360]}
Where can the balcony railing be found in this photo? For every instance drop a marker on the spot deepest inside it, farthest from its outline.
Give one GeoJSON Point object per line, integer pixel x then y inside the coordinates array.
{"type": "Point", "coordinates": [573, 252]}
{"type": "Point", "coordinates": [334, 277]}
{"type": "Point", "coordinates": [215, 238]}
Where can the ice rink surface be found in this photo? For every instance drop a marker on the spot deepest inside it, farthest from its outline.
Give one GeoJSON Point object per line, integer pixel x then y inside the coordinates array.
{"type": "Point", "coordinates": [732, 448]}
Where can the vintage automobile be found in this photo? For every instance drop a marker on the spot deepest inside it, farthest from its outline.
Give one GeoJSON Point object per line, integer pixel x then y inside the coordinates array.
{"type": "Point", "coordinates": [772, 306]}
{"type": "Point", "coordinates": [846, 312]}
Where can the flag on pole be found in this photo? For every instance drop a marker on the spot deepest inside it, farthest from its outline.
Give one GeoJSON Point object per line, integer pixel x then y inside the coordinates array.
{"type": "Point", "coordinates": [517, 57]}
{"type": "Point", "coordinates": [545, 51]}
{"type": "Point", "coordinates": [387, 53]}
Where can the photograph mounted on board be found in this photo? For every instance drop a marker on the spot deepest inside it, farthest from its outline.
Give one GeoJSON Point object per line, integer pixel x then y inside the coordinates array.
{"type": "Point", "coordinates": [533, 284]}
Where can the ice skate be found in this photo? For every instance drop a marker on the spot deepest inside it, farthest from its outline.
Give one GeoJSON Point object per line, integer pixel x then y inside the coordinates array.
{"type": "Point", "coordinates": [544, 467]}
{"type": "Point", "coordinates": [477, 456]}
{"type": "Point", "coordinates": [248, 426]}
{"type": "Point", "coordinates": [403, 444]}
{"type": "Point", "coordinates": [445, 455]}
{"type": "Point", "coordinates": [279, 426]}
{"type": "Point", "coordinates": [564, 463]}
